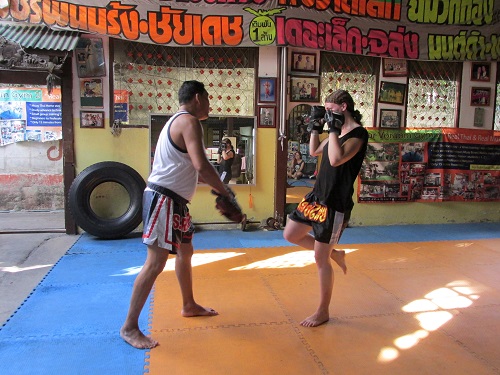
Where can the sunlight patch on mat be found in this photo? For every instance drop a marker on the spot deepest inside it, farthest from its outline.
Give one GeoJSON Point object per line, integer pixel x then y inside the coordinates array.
{"type": "Point", "coordinates": [130, 271]}
{"type": "Point", "coordinates": [296, 259]}
{"type": "Point", "coordinates": [201, 259]}
{"type": "Point", "coordinates": [464, 244]}
{"type": "Point", "coordinates": [197, 260]}
{"type": "Point", "coordinates": [433, 311]}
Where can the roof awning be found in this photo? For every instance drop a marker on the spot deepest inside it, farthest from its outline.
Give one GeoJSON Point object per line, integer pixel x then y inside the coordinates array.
{"type": "Point", "coordinates": [40, 37]}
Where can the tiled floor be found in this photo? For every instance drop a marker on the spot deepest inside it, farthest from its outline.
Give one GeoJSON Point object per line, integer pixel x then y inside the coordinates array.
{"type": "Point", "coordinates": [404, 307]}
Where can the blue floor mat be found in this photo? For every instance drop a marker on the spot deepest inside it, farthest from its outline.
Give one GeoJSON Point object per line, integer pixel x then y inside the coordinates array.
{"type": "Point", "coordinates": [100, 267]}
{"type": "Point", "coordinates": [302, 182]}
{"type": "Point", "coordinates": [71, 309]}
{"type": "Point", "coordinates": [75, 355]}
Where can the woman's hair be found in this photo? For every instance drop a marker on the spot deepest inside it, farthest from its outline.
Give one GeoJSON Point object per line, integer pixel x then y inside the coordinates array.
{"type": "Point", "coordinates": [227, 140]}
{"type": "Point", "coordinates": [342, 96]}
{"type": "Point", "coordinates": [295, 154]}
{"type": "Point", "coordinates": [189, 89]}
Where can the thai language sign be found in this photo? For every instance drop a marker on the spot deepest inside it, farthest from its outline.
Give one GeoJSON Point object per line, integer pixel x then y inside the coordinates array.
{"type": "Point", "coordinates": [415, 29]}
{"type": "Point", "coordinates": [30, 114]}
{"type": "Point", "coordinates": [431, 165]}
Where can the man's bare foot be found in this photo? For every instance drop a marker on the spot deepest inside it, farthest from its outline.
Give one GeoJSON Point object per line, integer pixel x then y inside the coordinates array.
{"type": "Point", "coordinates": [137, 339]}
{"type": "Point", "coordinates": [338, 257]}
{"type": "Point", "coordinates": [197, 310]}
{"type": "Point", "coordinates": [315, 320]}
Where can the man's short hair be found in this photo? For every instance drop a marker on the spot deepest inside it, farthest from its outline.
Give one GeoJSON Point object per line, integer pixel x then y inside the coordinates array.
{"type": "Point", "coordinates": [189, 89]}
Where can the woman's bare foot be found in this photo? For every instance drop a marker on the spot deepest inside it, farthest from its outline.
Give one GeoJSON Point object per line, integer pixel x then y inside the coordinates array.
{"type": "Point", "coordinates": [197, 310]}
{"type": "Point", "coordinates": [137, 339]}
{"type": "Point", "coordinates": [315, 320]}
{"type": "Point", "coordinates": [338, 257]}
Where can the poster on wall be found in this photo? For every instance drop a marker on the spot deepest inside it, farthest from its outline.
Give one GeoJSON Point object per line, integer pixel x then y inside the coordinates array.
{"type": "Point", "coordinates": [30, 114]}
{"type": "Point", "coordinates": [121, 106]}
{"type": "Point", "coordinates": [430, 165]}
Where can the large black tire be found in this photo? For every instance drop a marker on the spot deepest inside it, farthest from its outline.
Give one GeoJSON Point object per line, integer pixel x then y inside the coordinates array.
{"type": "Point", "coordinates": [95, 175]}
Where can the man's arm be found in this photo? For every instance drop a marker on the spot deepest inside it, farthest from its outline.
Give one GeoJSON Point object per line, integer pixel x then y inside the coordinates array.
{"type": "Point", "coordinates": [192, 135]}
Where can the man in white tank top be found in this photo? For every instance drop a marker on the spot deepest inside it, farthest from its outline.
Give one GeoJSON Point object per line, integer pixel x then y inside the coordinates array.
{"type": "Point", "coordinates": [179, 162]}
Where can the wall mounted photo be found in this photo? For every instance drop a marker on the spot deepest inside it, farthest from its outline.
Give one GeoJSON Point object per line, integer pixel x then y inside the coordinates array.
{"type": "Point", "coordinates": [90, 58]}
{"type": "Point", "coordinates": [91, 119]}
{"type": "Point", "coordinates": [480, 96]}
{"type": "Point", "coordinates": [390, 118]}
{"type": "Point", "coordinates": [480, 72]}
{"type": "Point", "coordinates": [304, 89]}
{"type": "Point", "coordinates": [304, 62]}
{"type": "Point", "coordinates": [394, 68]}
{"type": "Point", "coordinates": [392, 93]}
{"type": "Point", "coordinates": [267, 117]}
{"type": "Point", "coordinates": [267, 90]}
{"type": "Point", "coordinates": [91, 92]}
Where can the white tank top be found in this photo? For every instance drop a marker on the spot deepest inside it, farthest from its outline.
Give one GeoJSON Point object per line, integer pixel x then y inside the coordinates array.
{"type": "Point", "coordinates": [172, 166]}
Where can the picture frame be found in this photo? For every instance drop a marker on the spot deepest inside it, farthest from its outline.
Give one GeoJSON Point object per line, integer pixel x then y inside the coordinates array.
{"type": "Point", "coordinates": [304, 89]}
{"type": "Point", "coordinates": [390, 118]}
{"type": "Point", "coordinates": [267, 117]}
{"type": "Point", "coordinates": [392, 93]}
{"type": "Point", "coordinates": [267, 90]}
{"type": "Point", "coordinates": [480, 71]}
{"type": "Point", "coordinates": [91, 92]}
{"type": "Point", "coordinates": [92, 119]}
{"type": "Point", "coordinates": [394, 68]}
{"type": "Point", "coordinates": [304, 62]}
{"type": "Point", "coordinates": [480, 96]}
{"type": "Point", "coordinates": [89, 52]}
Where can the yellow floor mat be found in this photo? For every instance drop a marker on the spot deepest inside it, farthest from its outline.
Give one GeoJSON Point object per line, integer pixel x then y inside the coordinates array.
{"type": "Point", "coordinates": [403, 308]}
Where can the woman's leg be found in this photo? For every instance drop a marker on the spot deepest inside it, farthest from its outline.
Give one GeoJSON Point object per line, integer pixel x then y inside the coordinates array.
{"type": "Point", "coordinates": [325, 272]}
{"type": "Point", "coordinates": [298, 234]}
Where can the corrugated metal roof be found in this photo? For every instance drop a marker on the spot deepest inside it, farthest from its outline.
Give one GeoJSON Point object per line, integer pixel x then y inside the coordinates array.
{"type": "Point", "coordinates": [40, 37]}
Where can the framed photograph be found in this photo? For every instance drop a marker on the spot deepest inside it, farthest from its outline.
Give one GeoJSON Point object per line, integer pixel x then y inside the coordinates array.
{"type": "Point", "coordinates": [267, 90]}
{"type": "Point", "coordinates": [480, 96]}
{"type": "Point", "coordinates": [91, 119]}
{"type": "Point", "coordinates": [304, 89]}
{"type": "Point", "coordinates": [394, 68]}
{"type": "Point", "coordinates": [91, 92]}
{"type": "Point", "coordinates": [267, 117]}
{"type": "Point", "coordinates": [390, 118]}
{"type": "Point", "coordinates": [392, 93]}
{"type": "Point", "coordinates": [480, 71]}
{"type": "Point", "coordinates": [304, 62]}
{"type": "Point", "coordinates": [90, 57]}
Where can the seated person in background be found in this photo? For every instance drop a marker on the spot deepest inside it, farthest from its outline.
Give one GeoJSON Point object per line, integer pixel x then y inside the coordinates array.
{"type": "Point", "coordinates": [297, 166]}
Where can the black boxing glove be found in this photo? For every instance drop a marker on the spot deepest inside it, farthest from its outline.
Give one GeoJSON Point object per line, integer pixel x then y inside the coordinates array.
{"type": "Point", "coordinates": [334, 120]}
{"type": "Point", "coordinates": [316, 119]}
{"type": "Point", "coordinates": [317, 112]}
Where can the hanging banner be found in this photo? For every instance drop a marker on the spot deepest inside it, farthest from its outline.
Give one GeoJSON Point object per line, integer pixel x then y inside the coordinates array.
{"type": "Point", "coordinates": [30, 114]}
{"type": "Point", "coordinates": [419, 29]}
{"type": "Point", "coordinates": [430, 165]}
